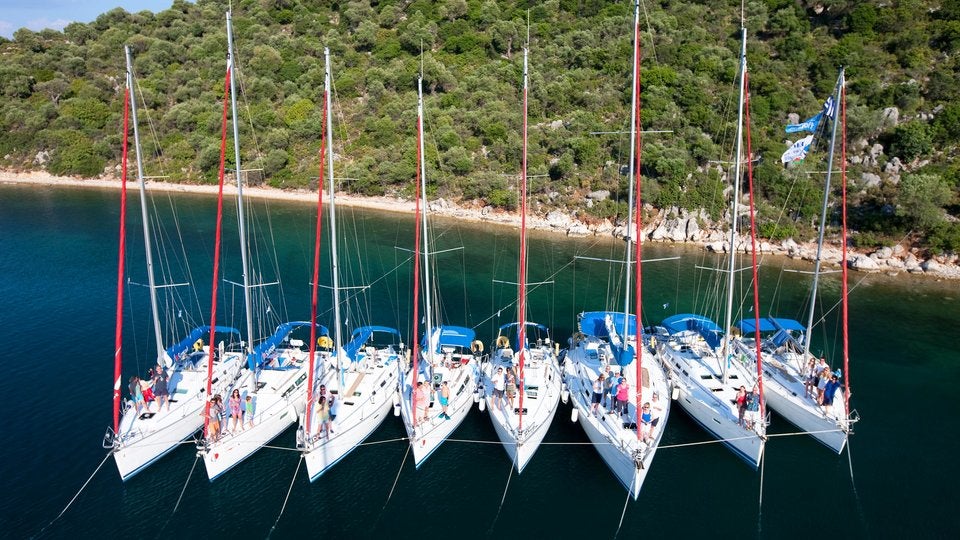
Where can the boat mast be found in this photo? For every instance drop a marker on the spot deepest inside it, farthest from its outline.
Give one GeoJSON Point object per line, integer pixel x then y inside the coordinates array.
{"type": "Point", "coordinates": [241, 216]}
{"type": "Point", "coordinates": [211, 356]}
{"type": "Point", "coordinates": [734, 206]}
{"type": "Point", "coordinates": [416, 260]}
{"type": "Point", "coordinates": [842, 95]}
{"type": "Point", "coordinates": [635, 93]}
{"type": "Point", "coordinates": [333, 222]}
{"type": "Point", "coordinates": [522, 282]}
{"type": "Point", "coordinates": [823, 223]}
{"type": "Point", "coordinates": [121, 258]}
{"type": "Point", "coordinates": [151, 281]}
{"type": "Point", "coordinates": [316, 259]}
{"type": "Point", "coordinates": [635, 205]}
{"type": "Point", "coordinates": [426, 236]}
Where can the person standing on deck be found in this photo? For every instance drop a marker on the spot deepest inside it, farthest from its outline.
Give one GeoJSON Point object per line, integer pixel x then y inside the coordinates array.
{"type": "Point", "coordinates": [597, 396]}
{"type": "Point", "coordinates": [829, 391]}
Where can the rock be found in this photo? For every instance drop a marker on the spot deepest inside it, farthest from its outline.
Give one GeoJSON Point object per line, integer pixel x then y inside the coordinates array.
{"type": "Point", "coordinates": [589, 203]}
{"type": "Point", "coordinates": [875, 152]}
{"type": "Point", "coordinates": [930, 266]}
{"type": "Point", "coordinates": [41, 158]}
{"type": "Point", "coordinates": [856, 160]}
{"type": "Point", "coordinates": [578, 229]}
{"type": "Point", "coordinates": [556, 124]}
{"type": "Point", "coordinates": [716, 247]}
{"type": "Point", "coordinates": [870, 180]}
{"type": "Point", "coordinates": [890, 116]}
{"type": "Point", "coordinates": [599, 195]}
{"type": "Point", "coordinates": [793, 118]}
{"type": "Point", "coordinates": [692, 230]}
{"type": "Point", "coordinates": [894, 166]}
{"type": "Point", "coordinates": [485, 211]}
{"type": "Point", "coordinates": [895, 263]}
{"type": "Point", "coordinates": [862, 262]}
{"type": "Point", "coordinates": [884, 253]}
{"type": "Point", "coordinates": [898, 250]}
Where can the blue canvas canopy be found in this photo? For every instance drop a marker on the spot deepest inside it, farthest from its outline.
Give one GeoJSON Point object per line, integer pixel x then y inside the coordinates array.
{"type": "Point", "coordinates": [770, 324]}
{"type": "Point", "coordinates": [450, 336]}
{"type": "Point", "coordinates": [255, 359]}
{"type": "Point", "coordinates": [186, 344]}
{"type": "Point", "coordinates": [360, 336]}
{"type": "Point", "coordinates": [594, 323]}
{"type": "Point", "coordinates": [708, 329]}
{"type": "Point", "coordinates": [513, 327]}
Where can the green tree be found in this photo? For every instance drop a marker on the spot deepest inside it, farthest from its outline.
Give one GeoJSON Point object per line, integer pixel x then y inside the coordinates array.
{"type": "Point", "coordinates": [922, 197]}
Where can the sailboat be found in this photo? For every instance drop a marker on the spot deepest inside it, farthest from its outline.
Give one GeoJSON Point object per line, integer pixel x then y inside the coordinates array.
{"type": "Point", "coordinates": [364, 389]}
{"type": "Point", "coordinates": [139, 437]}
{"type": "Point", "coordinates": [275, 378]}
{"type": "Point", "coordinates": [534, 365]}
{"type": "Point", "coordinates": [610, 344]}
{"type": "Point", "coordinates": [699, 354]}
{"type": "Point", "coordinates": [786, 357]}
{"type": "Point", "coordinates": [444, 362]}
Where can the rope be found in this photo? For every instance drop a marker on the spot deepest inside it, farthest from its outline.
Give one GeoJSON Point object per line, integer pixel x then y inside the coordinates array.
{"type": "Point", "coordinates": [182, 491]}
{"type": "Point", "coordinates": [77, 495]}
{"type": "Point", "coordinates": [395, 480]}
{"type": "Point", "coordinates": [763, 462]}
{"type": "Point", "coordinates": [287, 498]}
{"type": "Point", "coordinates": [503, 498]}
{"type": "Point", "coordinates": [623, 513]}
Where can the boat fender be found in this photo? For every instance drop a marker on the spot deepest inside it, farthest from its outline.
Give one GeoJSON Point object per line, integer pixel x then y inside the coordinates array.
{"type": "Point", "coordinates": [564, 393]}
{"type": "Point", "coordinates": [483, 405]}
{"type": "Point", "coordinates": [675, 394]}
{"type": "Point", "coordinates": [574, 415]}
{"type": "Point", "coordinates": [503, 342]}
{"type": "Point", "coordinates": [476, 346]}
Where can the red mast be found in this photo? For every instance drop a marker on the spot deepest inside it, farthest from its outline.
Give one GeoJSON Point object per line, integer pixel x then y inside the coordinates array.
{"type": "Point", "coordinates": [522, 285]}
{"type": "Point", "coordinates": [118, 343]}
{"type": "Point", "coordinates": [843, 183]}
{"type": "Point", "coordinates": [753, 244]}
{"type": "Point", "coordinates": [638, 221]}
{"type": "Point", "coordinates": [316, 268]}
{"type": "Point", "coordinates": [216, 249]}
{"type": "Point", "coordinates": [416, 273]}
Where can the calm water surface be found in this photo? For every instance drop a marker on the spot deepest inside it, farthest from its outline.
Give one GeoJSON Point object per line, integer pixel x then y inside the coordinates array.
{"type": "Point", "coordinates": [57, 300]}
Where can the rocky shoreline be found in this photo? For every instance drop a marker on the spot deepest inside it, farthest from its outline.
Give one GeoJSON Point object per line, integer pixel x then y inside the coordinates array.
{"type": "Point", "coordinates": [667, 226]}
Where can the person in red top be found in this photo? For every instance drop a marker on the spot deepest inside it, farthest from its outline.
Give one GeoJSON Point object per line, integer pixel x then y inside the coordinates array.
{"type": "Point", "coordinates": [741, 404]}
{"type": "Point", "coordinates": [623, 395]}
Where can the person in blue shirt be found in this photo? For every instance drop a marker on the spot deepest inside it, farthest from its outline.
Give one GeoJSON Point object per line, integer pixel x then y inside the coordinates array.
{"type": "Point", "coordinates": [829, 391]}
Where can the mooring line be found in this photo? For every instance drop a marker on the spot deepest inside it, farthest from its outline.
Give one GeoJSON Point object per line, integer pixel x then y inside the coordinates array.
{"type": "Point", "coordinates": [78, 493]}
{"type": "Point", "coordinates": [623, 514]}
{"type": "Point", "coordinates": [287, 498]}
{"type": "Point", "coordinates": [395, 480]}
{"type": "Point", "coordinates": [504, 497]}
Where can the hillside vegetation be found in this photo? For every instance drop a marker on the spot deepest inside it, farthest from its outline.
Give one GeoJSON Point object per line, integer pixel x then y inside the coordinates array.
{"type": "Point", "coordinates": [61, 101]}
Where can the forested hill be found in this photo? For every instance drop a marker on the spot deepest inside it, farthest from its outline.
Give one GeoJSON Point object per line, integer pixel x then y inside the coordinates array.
{"type": "Point", "coordinates": [61, 100]}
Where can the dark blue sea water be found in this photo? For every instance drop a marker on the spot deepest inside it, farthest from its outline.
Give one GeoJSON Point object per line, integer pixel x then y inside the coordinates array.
{"type": "Point", "coordinates": [57, 301]}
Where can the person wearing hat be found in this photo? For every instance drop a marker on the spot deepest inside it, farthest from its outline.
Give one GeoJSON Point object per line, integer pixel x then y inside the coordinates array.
{"type": "Point", "coordinates": [499, 385]}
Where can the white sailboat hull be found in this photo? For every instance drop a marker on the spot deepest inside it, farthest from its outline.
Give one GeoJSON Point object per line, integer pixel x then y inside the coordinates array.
{"type": "Point", "coordinates": [805, 414]}
{"type": "Point", "coordinates": [744, 443]}
{"type": "Point", "coordinates": [277, 406]}
{"type": "Point", "coordinates": [617, 443]}
{"type": "Point", "coordinates": [427, 436]}
{"type": "Point", "coordinates": [540, 404]}
{"type": "Point", "coordinates": [145, 438]}
{"type": "Point", "coordinates": [360, 414]}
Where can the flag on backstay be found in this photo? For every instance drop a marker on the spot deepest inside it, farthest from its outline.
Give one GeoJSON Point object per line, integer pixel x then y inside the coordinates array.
{"type": "Point", "coordinates": [797, 150]}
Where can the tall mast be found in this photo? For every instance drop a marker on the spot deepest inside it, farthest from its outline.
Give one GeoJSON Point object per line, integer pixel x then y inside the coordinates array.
{"type": "Point", "coordinates": [728, 320]}
{"type": "Point", "coordinates": [241, 215]}
{"type": "Point", "coordinates": [823, 222]}
{"type": "Point", "coordinates": [333, 218]}
{"type": "Point", "coordinates": [311, 371]}
{"type": "Point", "coordinates": [635, 93]}
{"type": "Point", "coordinates": [845, 292]}
{"type": "Point", "coordinates": [416, 262]}
{"type": "Point", "coordinates": [151, 281]}
{"type": "Point", "coordinates": [427, 284]}
{"type": "Point", "coordinates": [121, 258]}
{"type": "Point", "coordinates": [522, 281]}
{"type": "Point", "coordinates": [635, 202]}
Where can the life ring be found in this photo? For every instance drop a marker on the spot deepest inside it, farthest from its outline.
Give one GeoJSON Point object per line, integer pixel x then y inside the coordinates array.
{"type": "Point", "coordinates": [503, 342]}
{"type": "Point", "coordinates": [476, 346]}
{"type": "Point", "coordinates": [578, 337]}
{"type": "Point", "coordinates": [198, 345]}
{"type": "Point", "coordinates": [324, 342]}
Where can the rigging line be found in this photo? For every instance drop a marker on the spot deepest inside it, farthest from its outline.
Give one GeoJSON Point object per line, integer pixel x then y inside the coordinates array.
{"type": "Point", "coordinates": [78, 493]}
{"type": "Point", "coordinates": [373, 443]}
{"type": "Point", "coordinates": [623, 514]}
{"type": "Point", "coordinates": [395, 480]}
{"type": "Point", "coordinates": [279, 448]}
{"type": "Point", "coordinates": [182, 491]}
{"type": "Point", "coordinates": [287, 498]}
{"type": "Point", "coordinates": [837, 304]}
{"type": "Point", "coordinates": [760, 502]}
{"type": "Point", "coordinates": [504, 497]}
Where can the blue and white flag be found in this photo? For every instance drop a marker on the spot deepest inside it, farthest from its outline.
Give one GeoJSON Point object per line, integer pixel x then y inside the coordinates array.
{"type": "Point", "coordinates": [797, 150]}
{"type": "Point", "coordinates": [829, 108]}
{"type": "Point", "coordinates": [809, 124]}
